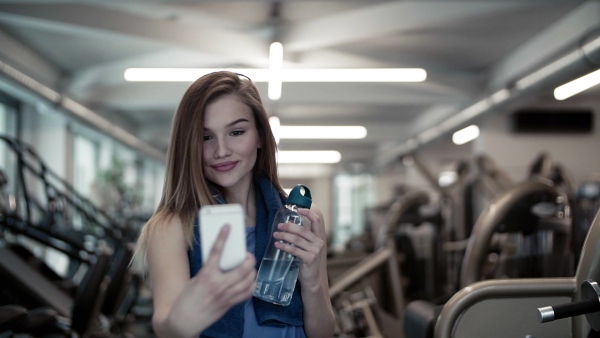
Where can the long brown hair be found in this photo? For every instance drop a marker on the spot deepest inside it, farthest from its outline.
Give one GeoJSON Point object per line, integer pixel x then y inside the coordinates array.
{"type": "Point", "coordinates": [185, 188]}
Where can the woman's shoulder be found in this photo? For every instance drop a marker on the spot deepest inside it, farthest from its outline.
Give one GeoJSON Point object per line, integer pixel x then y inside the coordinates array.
{"type": "Point", "coordinates": [167, 227]}
{"type": "Point", "coordinates": [166, 241]}
{"type": "Point", "coordinates": [162, 221]}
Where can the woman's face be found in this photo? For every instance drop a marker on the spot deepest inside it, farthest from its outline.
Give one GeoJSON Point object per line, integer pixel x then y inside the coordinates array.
{"type": "Point", "coordinates": [230, 144]}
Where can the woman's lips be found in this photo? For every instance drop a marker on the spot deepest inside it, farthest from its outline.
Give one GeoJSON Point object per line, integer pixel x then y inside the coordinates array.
{"type": "Point", "coordinates": [225, 166]}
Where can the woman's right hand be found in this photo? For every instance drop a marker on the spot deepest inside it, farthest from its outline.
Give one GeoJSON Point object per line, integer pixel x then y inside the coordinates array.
{"type": "Point", "coordinates": [212, 292]}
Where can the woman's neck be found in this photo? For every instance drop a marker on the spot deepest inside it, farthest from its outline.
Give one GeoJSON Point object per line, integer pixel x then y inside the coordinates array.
{"type": "Point", "coordinates": [246, 196]}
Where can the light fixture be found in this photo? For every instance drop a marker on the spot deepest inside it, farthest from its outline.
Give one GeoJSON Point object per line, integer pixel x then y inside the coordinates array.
{"type": "Point", "coordinates": [577, 86]}
{"type": "Point", "coordinates": [355, 75]}
{"type": "Point", "coordinates": [275, 67]}
{"type": "Point", "coordinates": [322, 132]}
{"type": "Point", "coordinates": [310, 156]}
{"type": "Point", "coordinates": [287, 75]}
{"type": "Point", "coordinates": [465, 135]}
{"type": "Point", "coordinates": [275, 127]}
{"type": "Point", "coordinates": [186, 74]}
{"type": "Point", "coordinates": [315, 132]}
{"type": "Point", "coordinates": [306, 170]}
{"type": "Point", "coordinates": [447, 178]}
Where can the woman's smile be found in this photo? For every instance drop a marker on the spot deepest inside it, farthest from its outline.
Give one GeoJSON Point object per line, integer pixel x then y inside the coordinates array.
{"type": "Point", "coordinates": [225, 166]}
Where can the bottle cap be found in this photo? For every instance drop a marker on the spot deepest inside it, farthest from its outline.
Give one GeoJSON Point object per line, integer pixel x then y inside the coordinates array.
{"type": "Point", "coordinates": [300, 196]}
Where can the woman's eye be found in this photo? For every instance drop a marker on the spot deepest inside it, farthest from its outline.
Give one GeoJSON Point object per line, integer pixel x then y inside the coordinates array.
{"type": "Point", "coordinates": [237, 132]}
{"type": "Point", "coordinates": [207, 137]}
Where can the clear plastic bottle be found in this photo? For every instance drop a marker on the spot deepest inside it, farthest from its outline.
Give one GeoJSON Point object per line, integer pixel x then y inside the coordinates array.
{"type": "Point", "coordinates": [278, 271]}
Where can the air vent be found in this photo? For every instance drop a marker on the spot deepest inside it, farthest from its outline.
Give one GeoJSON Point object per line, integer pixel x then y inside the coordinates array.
{"type": "Point", "coordinates": [553, 121]}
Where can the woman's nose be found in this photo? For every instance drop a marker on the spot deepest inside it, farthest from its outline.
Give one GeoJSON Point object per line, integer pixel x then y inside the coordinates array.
{"type": "Point", "coordinates": [222, 148]}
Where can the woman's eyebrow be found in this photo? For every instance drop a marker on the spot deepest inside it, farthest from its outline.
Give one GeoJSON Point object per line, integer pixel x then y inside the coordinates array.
{"type": "Point", "coordinates": [233, 123]}
{"type": "Point", "coordinates": [237, 121]}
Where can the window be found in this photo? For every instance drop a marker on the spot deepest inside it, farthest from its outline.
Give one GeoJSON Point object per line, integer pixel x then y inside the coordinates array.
{"type": "Point", "coordinates": [8, 123]}
{"type": "Point", "coordinates": [85, 164]}
{"type": "Point", "coordinates": [353, 195]}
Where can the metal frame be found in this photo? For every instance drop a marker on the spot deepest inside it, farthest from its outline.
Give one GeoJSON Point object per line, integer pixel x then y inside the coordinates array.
{"type": "Point", "coordinates": [456, 313]}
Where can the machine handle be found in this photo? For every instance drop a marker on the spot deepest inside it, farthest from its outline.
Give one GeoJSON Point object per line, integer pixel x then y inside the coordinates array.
{"type": "Point", "coordinates": [550, 313]}
{"type": "Point", "coordinates": [588, 306]}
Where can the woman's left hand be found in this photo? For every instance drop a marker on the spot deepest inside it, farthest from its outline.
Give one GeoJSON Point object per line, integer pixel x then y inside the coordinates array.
{"type": "Point", "coordinates": [307, 245]}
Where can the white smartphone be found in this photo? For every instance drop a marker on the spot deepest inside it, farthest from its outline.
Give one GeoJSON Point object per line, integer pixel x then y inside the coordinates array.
{"type": "Point", "coordinates": [212, 219]}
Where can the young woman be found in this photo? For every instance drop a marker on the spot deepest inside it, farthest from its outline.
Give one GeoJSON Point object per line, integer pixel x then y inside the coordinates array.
{"type": "Point", "coordinates": [222, 150]}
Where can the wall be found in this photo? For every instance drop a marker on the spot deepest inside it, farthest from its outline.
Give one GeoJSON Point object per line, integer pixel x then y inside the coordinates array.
{"type": "Point", "coordinates": [515, 153]}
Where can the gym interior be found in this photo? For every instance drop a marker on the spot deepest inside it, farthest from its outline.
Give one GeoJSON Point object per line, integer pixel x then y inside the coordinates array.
{"type": "Point", "coordinates": [467, 206]}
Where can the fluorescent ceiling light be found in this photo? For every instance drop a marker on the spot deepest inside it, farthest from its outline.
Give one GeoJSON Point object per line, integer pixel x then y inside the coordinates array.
{"type": "Point", "coordinates": [447, 178]}
{"type": "Point", "coordinates": [287, 75]}
{"type": "Point", "coordinates": [186, 74]}
{"type": "Point", "coordinates": [577, 86]}
{"type": "Point", "coordinates": [465, 135]}
{"type": "Point", "coordinates": [315, 132]}
{"type": "Point", "coordinates": [307, 170]}
{"type": "Point", "coordinates": [312, 156]}
{"type": "Point", "coordinates": [275, 67]}
{"type": "Point", "coordinates": [355, 75]}
{"type": "Point", "coordinates": [275, 127]}
{"type": "Point", "coordinates": [323, 132]}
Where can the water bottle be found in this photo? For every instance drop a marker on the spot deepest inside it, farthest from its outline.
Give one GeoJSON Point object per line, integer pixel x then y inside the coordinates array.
{"type": "Point", "coordinates": [278, 271]}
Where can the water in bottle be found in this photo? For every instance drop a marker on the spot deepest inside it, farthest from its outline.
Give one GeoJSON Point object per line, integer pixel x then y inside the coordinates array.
{"type": "Point", "coordinates": [278, 271]}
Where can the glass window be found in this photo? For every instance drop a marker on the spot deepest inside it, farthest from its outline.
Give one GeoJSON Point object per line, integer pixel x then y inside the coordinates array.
{"type": "Point", "coordinates": [353, 196]}
{"type": "Point", "coordinates": [152, 174]}
{"type": "Point", "coordinates": [8, 160]}
{"type": "Point", "coordinates": [3, 150]}
{"type": "Point", "coordinates": [85, 164]}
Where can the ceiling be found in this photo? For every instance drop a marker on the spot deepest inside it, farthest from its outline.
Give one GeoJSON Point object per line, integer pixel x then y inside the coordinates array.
{"type": "Point", "coordinates": [470, 49]}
